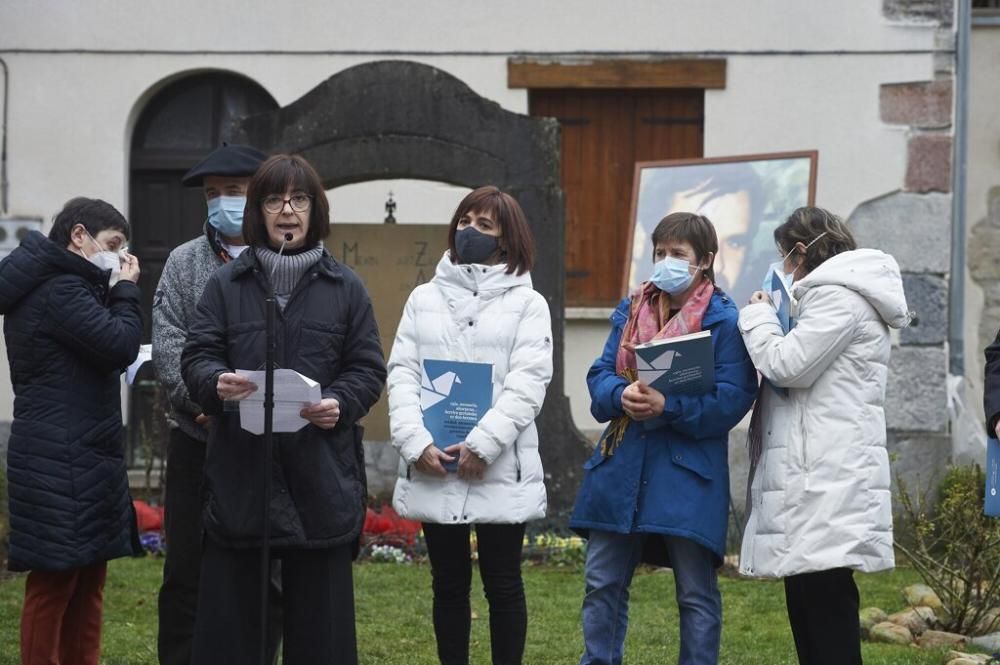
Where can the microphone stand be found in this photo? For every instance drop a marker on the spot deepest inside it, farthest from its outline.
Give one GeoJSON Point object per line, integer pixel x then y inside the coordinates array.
{"type": "Point", "coordinates": [271, 308]}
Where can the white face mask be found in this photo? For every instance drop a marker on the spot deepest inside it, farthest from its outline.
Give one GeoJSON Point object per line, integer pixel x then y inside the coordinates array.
{"type": "Point", "coordinates": [107, 260]}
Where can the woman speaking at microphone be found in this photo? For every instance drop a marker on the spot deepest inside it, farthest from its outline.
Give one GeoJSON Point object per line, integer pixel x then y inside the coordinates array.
{"type": "Point", "coordinates": [324, 329]}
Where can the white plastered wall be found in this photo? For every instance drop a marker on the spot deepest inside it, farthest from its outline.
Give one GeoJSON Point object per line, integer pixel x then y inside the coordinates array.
{"type": "Point", "coordinates": [71, 114]}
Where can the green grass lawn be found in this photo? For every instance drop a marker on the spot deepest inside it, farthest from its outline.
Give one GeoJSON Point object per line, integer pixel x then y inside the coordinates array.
{"type": "Point", "coordinates": [394, 625]}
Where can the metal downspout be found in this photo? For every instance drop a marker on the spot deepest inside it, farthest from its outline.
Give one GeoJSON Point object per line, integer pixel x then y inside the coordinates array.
{"type": "Point", "coordinates": [956, 282]}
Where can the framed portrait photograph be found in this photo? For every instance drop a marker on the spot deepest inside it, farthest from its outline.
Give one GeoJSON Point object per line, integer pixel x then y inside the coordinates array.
{"type": "Point", "coordinates": [745, 197]}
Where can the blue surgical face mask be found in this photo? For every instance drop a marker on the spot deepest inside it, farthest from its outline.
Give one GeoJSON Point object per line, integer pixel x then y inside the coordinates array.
{"type": "Point", "coordinates": [672, 275]}
{"type": "Point", "coordinates": [225, 213]}
{"type": "Point", "coordinates": [778, 268]}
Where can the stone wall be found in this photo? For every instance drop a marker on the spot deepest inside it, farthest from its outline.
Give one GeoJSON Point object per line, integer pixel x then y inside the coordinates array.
{"type": "Point", "coordinates": [914, 225]}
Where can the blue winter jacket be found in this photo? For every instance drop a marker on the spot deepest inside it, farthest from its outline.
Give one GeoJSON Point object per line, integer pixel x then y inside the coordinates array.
{"type": "Point", "coordinates": [670, 475]}
{"type": "Point", "coordinates": [68, 338]}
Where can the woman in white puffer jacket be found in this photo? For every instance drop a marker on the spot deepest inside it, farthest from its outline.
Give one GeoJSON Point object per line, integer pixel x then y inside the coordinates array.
{"type": "Point", "coordinates": [820, 505]}
{"type": "Point", "coordinates": [479, 307]}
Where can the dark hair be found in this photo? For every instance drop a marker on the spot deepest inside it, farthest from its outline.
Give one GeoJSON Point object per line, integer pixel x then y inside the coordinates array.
{"type": "Point", "coordinates": [95, 215]}
{"type": "Point", "coordinates": [713, 180]}
{"type": "Point", "coordinates": [693, 229]}
{"type": "Point", "coordinates": [806, 225]}
{"type": "Point", "coordinates": [277, 175]}
{"type": "Point", "coordinates": [516, 241]}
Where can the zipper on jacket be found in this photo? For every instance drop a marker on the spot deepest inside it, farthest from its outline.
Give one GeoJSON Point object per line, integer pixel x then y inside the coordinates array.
{"type": "Point", "coordinates": [802, 429]}
{"type": "Point", "coordinates": [805, 446]}
{"type": "Point", "coordinates": [517, 461]}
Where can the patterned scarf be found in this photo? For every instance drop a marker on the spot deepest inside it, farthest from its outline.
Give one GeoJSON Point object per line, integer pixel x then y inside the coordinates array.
{"type": "Point", "coordinates": [649, 319]}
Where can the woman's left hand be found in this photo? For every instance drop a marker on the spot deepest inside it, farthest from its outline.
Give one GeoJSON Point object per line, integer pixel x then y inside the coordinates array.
{"type": "Point", "coordinates": [641, 402]}
{"type": "Point", "coordinates": [325, 414]}
{"type": "Point", "coordinates": [470, 465]}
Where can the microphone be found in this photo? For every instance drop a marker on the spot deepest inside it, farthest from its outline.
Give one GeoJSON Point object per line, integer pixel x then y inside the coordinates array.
{"type": "Point", "coordinates": [287, 238]}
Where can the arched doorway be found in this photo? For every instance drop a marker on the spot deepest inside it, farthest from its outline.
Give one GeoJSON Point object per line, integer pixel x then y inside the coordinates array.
{"type": "Point", "coordinates": [177, 128]}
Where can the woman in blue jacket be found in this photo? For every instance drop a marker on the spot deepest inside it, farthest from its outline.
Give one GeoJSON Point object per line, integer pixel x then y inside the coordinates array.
{"type": "Point", "coordinates": [657, 486]}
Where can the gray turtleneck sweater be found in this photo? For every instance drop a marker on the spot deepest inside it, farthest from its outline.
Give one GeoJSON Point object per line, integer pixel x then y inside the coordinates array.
{"type": "Point", "coordinates": [286, 270]}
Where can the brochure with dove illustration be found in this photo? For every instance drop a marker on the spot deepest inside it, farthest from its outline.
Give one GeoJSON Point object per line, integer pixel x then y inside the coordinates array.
{"type": "Point", "coordinates": [782, 302]}
{"type": "Point", "coordinates": [684, 364]}
{"type": "Point", "coordinates": [991, 504]}
{"type": "Point", "coordinates": [454, 396]}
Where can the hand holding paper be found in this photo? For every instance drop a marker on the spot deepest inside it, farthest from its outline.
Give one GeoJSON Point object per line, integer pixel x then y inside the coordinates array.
{"type": "Point", "coordinates": [294, 395]}
{"type": "Point", "coordinates": [325, 415]}
{"type": "Point", "coordinates": [470, 465]}
{"type": "Point", "coordinates": [431, 461]}
{"type": "Point", "coordinates": [234, 387]}
{"type": "Point", "coordinates": [642, 402]}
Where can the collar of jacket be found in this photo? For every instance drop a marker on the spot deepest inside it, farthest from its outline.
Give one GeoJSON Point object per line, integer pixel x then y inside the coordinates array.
{"type": "Point", "coordinates": [212, 236]}
{"type": "Point", "coordinates": [476, 277]}
{"type": "Point", "coordinates": [247, 261]}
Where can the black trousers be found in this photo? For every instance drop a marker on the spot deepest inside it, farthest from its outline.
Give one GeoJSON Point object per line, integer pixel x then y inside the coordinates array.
{"type": "Point", "coordinates": [823, 612]}
{"type": "Point", "coordinates": [499, 547]}
{"type": "Point", "coordinates": [178, 598]}
{"type": "Point", "coordinates": [317, 597]}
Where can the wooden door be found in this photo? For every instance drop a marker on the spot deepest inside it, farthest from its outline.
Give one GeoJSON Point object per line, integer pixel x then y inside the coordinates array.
{"type": "Point", "coordinates": [163, 214]}
{"type": "Point", "coordinates": [604, 133]}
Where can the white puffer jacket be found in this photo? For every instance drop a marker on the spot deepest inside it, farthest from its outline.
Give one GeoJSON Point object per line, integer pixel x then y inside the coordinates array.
{"type": "Point", "coordinates": [474, 313]}
{"type": "Point", "coordinates": [820, 495]}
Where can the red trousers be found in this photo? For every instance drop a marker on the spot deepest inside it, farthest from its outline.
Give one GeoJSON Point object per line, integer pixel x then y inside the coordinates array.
{"type": "Point", "coordinates": [61, 619]}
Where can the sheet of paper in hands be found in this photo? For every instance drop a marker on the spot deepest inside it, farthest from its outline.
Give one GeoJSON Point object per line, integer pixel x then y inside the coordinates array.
{"type": "Point", "coordinates": [292, 392]}
{"type": "Point", "coordinates": [145, 355]}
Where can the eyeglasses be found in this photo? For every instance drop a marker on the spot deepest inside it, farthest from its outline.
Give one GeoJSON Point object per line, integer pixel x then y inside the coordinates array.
{"type": "Point", "coordinates": [299, 201]}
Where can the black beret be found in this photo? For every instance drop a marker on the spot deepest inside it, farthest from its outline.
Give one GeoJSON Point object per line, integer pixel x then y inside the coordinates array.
{"type": "Point", "coordinates": [231, 160]}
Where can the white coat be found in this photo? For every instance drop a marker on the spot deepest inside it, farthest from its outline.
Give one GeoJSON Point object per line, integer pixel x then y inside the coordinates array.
{"type": "Point", "coordinates": [474, 313]}
{"type": "Point", "coordinates": [820, 498]}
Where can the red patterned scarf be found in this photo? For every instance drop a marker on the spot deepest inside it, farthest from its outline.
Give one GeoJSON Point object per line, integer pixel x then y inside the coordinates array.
{"type": "Point", "coordinates": [649, 319]}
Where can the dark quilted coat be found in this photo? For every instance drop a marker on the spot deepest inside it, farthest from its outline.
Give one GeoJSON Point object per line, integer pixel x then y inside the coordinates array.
{"type": "Point", "coordinates": [327, 332]}
{"type": "Point", "coordinates": [67, 339]}
{"type": "Point", "coordinates": [991, 386]}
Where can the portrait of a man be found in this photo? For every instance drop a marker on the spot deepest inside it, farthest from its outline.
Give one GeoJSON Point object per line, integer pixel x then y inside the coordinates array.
{"type": "Point", "coordinates": [744, 197]}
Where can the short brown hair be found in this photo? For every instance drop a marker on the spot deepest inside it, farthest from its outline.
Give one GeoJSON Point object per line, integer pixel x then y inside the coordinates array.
{"type": "Point", "coordinates": [95, 215]}
{"type": "Point", "coordinates": [277, 175]}
{"type": "Point", "coordinates": [693, 229]}
{"type": "Point", "coordinates": [806, 225]}
{"type": "Point", "coordinates": [516, 241]}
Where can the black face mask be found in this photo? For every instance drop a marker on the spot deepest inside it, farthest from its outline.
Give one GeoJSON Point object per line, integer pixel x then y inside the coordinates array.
{"type": "Point", "coordinates": [474, 246]}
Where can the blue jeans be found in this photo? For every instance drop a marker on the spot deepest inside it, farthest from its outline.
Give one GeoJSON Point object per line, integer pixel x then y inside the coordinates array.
{"type": "Point", "coordinates": [611, 561]}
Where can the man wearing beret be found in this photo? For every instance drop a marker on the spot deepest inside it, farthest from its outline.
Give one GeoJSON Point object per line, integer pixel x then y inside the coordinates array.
{"type": "Point", "coordinates": [223, 176]}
